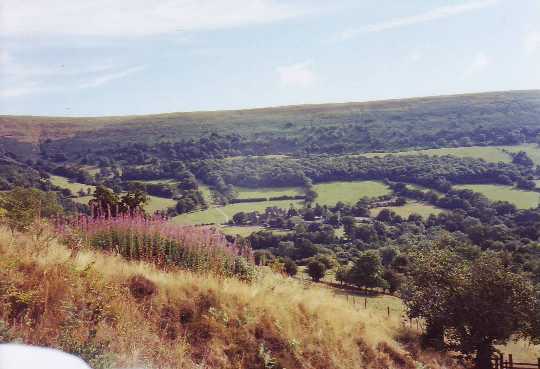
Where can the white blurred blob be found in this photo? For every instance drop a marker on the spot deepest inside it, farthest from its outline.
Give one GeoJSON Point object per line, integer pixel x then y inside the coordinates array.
{"type": "Point", "coordinates": [14, 356]}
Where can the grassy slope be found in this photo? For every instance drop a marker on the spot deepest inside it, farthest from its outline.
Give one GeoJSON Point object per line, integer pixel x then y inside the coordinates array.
{"type": "Point", "coordinates": [522, 199]}
{"type": "Point", "coordinates": [86, 303]}
{"type": "Point", "coordinates": [348, 192]}
{"type": "Point", "coordinates": [417, 115]}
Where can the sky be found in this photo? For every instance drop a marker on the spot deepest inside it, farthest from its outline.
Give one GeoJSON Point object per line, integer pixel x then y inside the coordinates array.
{"type": "Point", "coordinates": [103, 57]}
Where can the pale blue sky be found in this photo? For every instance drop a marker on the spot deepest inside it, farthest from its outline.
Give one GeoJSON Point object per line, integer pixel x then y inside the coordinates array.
{"type": "Point", "coordinates": [75, 57]}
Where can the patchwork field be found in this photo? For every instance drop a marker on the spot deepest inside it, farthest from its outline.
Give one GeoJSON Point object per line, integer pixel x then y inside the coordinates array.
{"type": "Point", "coordinates": [267, 192]}
{"type": "Point", "coordinates": [522, 199]}
{"type": "Point", "coordinates": [348, 192]}
{"type": "Point", "coordinates": [425, 210]}
{"type": "Point", "coordinates": [492, 154]}
{"type": "Point", "coordinates": [219, 215]}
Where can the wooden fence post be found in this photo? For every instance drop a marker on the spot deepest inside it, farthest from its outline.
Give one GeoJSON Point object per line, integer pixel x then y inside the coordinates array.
{"type": "Point", "coordinates": [539, 363]}
{"type": "Point", "coordinates": [388, 309]}
{"type": "Point", "coordinates": [510, 361]}
{"type": "Point", "coordinates": [365, 302]}
{"type": "Point", "coordinates": [501, 361]}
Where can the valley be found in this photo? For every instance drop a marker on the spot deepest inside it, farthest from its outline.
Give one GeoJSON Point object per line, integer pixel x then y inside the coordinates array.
{"type": "Point", "coordinates": [357, 204]}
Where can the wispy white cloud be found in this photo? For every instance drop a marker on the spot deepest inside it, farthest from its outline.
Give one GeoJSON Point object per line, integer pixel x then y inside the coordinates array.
{"type": "Point", "coordinates": [296, 75]}
{"type": "Point", "coordinates": [429, 16]}
{"type": "Point", "coordinates": [479, 63]}
{"type": "Point", "coordinates": [106, 78]}
{"type": "Point", "coordinates": [532, 42]}
{"type": "Point", "coordinates": [139, 17]}
{"type": "Point", "coordinates": [19, 79]}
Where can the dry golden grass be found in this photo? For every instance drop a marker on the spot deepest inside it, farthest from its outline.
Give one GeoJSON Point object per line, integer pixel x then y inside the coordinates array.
{"type": "Point", "coordinates": [129, 314]}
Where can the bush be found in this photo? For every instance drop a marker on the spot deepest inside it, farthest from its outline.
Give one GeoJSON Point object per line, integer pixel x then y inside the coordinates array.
{"type": "Point", "coordinates": [290, 266]}
{"type": "Point", "coordinates": [141, 287]}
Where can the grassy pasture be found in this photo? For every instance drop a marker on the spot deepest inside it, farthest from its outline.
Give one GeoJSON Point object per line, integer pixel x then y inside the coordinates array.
{"type": "Point", "coordinates": [488, 153]}
{"type": "Point", "coordinates": [348, 192]}
{"type": "Point", "coordinates": [207, 194]}
{"type": "Point", "coordinates": [222, 214]}
{"type": "Point", "coordinates": [267, 192]}
{"type": "Point", "coordinates": [492, 154]}
{"type": "Point", "coordinates": [242, 231]}
{"type": "Point", "coordinates": [158, 204]}
{"type": "Point", "coordinates": [73, 186]}
{"type": "Point", "coordinates": [522, 199]}
{"type": "Point", "coordinates": [404, 211]}
{"type": "Point", "coordinates": [422, 188]}
{"type": "Point", "coordinates": [532, 150]}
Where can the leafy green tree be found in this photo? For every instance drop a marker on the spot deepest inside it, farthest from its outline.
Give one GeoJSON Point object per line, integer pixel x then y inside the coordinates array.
{"type": "Point", "coordinates": [22, 206]}
{"type": "Point", "coordinates": [342, 274]}
{"type": "Point", "coordinates": [393, 280]}
{"type": "Point", "coordinates": [434, 277]}
{"type": "Point", "coordinates": [497, 304]}
{"type": "Point", "coordinates": [133, 200]}
{"type": "Point", "coordinates": [290, 266]}
{"type": "Point", "coordinates": [388, 254]}
{"type": "Point", "coordinates": [316, 270]}
{"type": "Point", "coordinates": [367, 270]}
{"type": "Point", "coordinates": [239, 218]}
{"type": "Point", "coordinates": [105, 201]}
{"type": "Point", "coordinates": [348, 226]}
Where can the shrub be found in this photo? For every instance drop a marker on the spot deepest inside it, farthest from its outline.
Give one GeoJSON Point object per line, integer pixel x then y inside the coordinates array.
{"type": "Point", "coordinates": [141, 287]}
{"type": "Point", "coordinates": [290, 266]}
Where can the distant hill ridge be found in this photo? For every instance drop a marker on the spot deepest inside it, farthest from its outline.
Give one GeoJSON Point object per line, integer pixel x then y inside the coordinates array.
{"type": "Point", "coordinates": [356, 126]}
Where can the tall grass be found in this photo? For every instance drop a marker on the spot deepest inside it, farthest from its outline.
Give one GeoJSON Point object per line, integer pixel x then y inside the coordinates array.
{"type": "Point", "coordinates": [119, 314]}
{"type": "Point", "coordinates": [154, 239]}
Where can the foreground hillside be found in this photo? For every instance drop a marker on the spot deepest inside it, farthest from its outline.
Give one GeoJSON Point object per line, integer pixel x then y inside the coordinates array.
{"type": "Point", "coordinates": [124, 314]}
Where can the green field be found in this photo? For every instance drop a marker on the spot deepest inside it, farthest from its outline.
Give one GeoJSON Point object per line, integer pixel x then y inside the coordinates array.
{"type": "Point", "coordinates": [219, 215]}
{"type": "Point", "coordinates": [422, 188]}
{"type": "Point", "coordinates": [522, 199]}
{"type": "Point", "coordinates": [491, 154]}
{"type": "Point", "coordinates": [207, 194]}
{"type": "Point", "coordinates": [425, 210]}
{"type": "Point", "coordinates": [532, 150]}
{"type": "Point", "coordinates": [73, 186]}
{"type": "Point", "coordinates": [154, 203]}
{"type": "Point", "coordinates": [266, 192]}
{"type": "Point", "coordinates": [348, 192]}
{"type": "Point", "coordinates": [242, 231]}
{"type": "Point", "coordinates": [158, 204]}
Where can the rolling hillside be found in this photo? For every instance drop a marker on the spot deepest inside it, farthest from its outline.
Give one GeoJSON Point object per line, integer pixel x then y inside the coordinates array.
{"type": "Point", "coordinates": [375, 125]}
